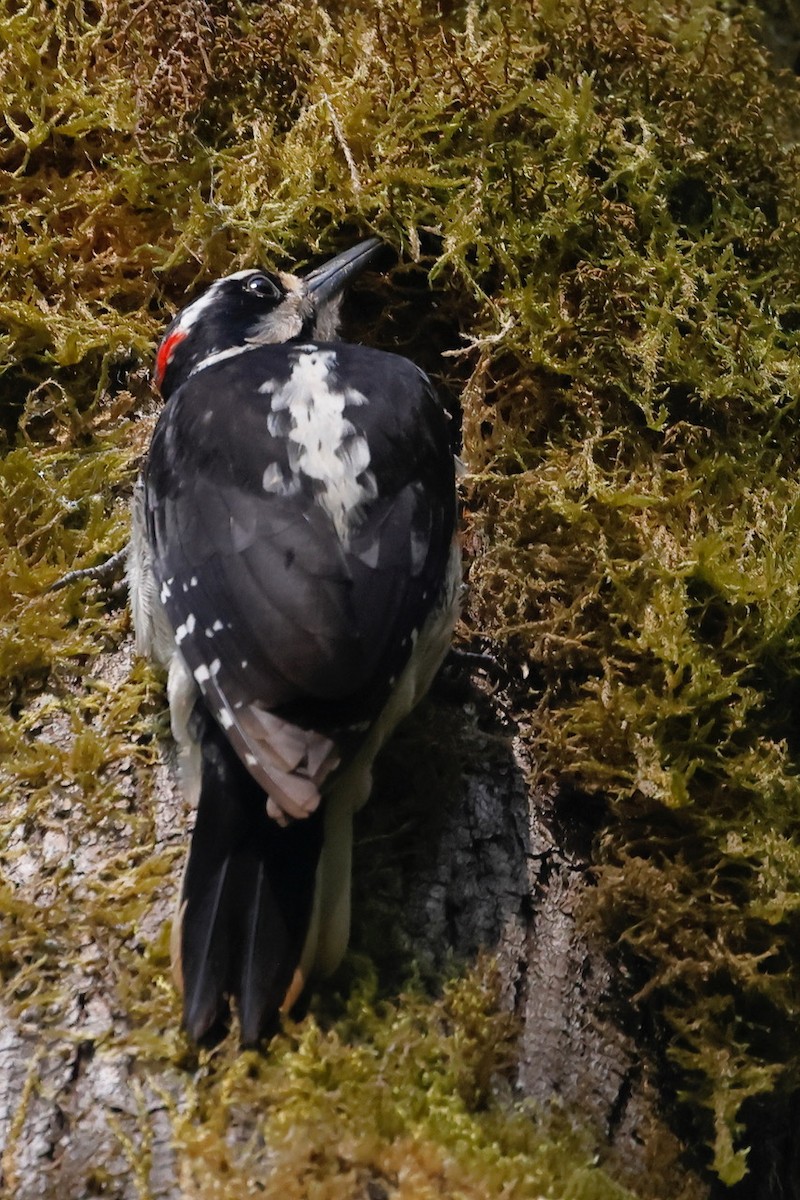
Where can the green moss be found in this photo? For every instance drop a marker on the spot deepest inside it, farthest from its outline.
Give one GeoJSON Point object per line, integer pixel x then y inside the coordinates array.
{"type": "Point", "coordinates": [640, 483]}
{"type": "Point", "coordinates": [605, 197]}
{"type": "Point", "coordinates": [397, 1096]}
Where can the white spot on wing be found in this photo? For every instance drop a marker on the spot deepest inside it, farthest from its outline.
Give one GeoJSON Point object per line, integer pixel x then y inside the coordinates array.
{"type": "Point", "coordinates": [225, 719]}
{"type": "Point", "coordinates": [185, 629]}
{"type": "Point", "coordinates": [202, 673]}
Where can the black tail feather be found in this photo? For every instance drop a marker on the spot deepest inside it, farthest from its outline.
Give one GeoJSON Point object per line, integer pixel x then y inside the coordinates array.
{"type": "Point", "coordinates": [247, 898]}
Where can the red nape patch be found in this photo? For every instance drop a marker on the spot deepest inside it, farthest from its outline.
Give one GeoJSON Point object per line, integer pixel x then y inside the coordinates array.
{"type": "Point", "coordinates": [165, 353]}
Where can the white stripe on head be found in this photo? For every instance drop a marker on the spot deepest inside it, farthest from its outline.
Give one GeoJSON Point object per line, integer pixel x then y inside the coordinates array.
{"type": "Point", "coordinates": [190, 315]}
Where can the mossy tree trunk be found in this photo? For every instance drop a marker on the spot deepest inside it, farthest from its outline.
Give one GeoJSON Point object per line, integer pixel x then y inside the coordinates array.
{"type": "Point", "coordinates": [596, 215]}
{"type": "Point", "coordinates": [455, 856]}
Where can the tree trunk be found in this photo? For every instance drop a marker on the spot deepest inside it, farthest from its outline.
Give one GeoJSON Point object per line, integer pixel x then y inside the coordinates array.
{"type": "Point", "coordinates": [491, 867]}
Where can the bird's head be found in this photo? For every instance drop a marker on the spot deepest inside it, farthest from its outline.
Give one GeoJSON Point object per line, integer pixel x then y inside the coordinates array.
{"type": "Point", "coordinates": [258, 307]}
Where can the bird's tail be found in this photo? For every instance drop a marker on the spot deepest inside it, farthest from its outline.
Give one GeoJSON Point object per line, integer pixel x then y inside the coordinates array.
{"type": "Point", "coordinates": [246, 899]}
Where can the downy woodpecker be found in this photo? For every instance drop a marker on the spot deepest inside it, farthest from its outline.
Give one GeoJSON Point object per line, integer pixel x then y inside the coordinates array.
{"type": "Point", "coordinates": [294, 566]}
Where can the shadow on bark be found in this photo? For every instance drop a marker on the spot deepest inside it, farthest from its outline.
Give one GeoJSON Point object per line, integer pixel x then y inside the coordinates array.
{"type": "Point", "coordinates": [456, 854]}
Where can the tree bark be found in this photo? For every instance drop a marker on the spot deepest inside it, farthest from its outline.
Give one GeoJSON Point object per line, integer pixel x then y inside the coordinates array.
{"type": "Point", "coordinates": [508, 871]}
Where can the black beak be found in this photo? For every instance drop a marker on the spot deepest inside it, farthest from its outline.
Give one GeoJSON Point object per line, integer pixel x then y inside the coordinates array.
{"type": "Point", "coordinates": [329, 279]}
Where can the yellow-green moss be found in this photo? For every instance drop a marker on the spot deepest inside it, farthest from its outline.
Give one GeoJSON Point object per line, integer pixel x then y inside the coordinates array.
{"type": "Point", "coordinates": [605, 195]}
{"type": "Point", "coordinates": [396, 1094]}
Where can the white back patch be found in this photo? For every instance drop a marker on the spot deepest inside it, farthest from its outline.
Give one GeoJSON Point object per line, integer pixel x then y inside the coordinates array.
{"type": "Point", "coordinates": [323, 444]}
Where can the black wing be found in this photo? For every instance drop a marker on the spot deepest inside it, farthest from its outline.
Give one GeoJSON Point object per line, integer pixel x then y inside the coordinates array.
{"type": "Point", "coordinates": [287, 599]}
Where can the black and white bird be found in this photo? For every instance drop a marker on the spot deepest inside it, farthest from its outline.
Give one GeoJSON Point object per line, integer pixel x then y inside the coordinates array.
{"type": "Point", "coordinates": [294, 565]}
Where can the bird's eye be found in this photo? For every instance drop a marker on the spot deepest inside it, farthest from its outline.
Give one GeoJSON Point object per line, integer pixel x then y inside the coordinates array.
{"type": "Point", "coordinates": [263, 286]}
